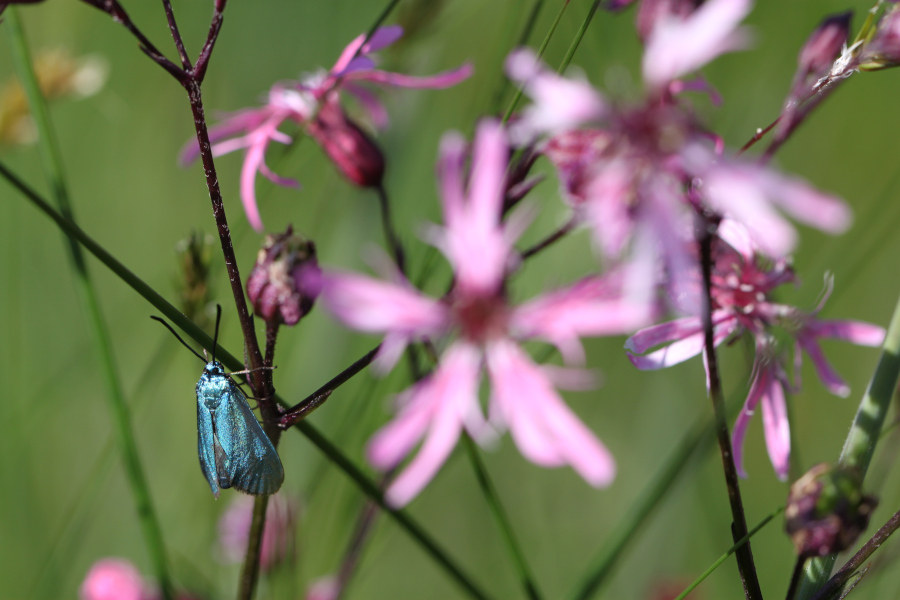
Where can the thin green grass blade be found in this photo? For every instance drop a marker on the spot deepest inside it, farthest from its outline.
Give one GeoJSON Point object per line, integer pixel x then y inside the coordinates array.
{"type": "Point", "coordinates": [728, 553]}
{"type": "Point", "coordinates": [50, 155]}
{"type": "Point", "coordinates": [526, 577]}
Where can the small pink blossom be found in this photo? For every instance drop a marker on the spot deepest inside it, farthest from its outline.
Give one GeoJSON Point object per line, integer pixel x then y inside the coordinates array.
{"type": "Point", "coordinates": [437, 409]}
{"type": "Point", "coordinates": [313, 103]}
{"type": "Point", "coordinates": [114, 579]}
{"type": "Point", "coordinates": [279, 532]}
{"type": "Point", "coordinates": [742, 283]}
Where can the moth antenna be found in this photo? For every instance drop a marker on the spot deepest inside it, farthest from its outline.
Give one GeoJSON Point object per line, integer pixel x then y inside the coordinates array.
{"type": "Point", "coordinates": [216, 335]}
{"type": "Point", "coordinates": [178, 337]}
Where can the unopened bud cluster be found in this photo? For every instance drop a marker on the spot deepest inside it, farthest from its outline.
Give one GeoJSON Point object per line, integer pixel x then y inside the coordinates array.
{"type": "Point", "coordinates": [285, 280]}
{"type": "Point", "coordinates": [827, 510]}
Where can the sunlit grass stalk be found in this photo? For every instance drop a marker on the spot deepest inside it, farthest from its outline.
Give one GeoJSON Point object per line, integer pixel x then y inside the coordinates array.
{"type": "Point", "coordinates": [513, 547]}
{"type": "Point", "coordinates": [52, 163]}
{"type": "Point", "coordinates": [700, 435]}
{"type": "Point", "coordinates": [91, 488]}
{"type": "Point", "coordinates": [333, 453]}
{"type": "Point", "coordinates": [737, 546]}
{"type": "Point", "coordinates": [540, 53]}
{"type": "Point", "coordinates": [860, 443]}
{"type": "Point", "coordinates": [570, 53]}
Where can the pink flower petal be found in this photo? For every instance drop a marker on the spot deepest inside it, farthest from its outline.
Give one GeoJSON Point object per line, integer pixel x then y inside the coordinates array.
{"type": "Point", "coordinates": [437, 409]}
{"type": "Point", "coordinates": [855, 332]}
{"type": "Point", "coordinates": [740, 427]}
{"type": "Point", "coordinates": [592, 307]}
{"type": "Point", "coordinates": [677, 47]}
{"type": "Point", "coordinates": [377, 113]}
{"type": "Point", "coordinates": [368, 304]}
{"type": "Point", "coordinates": [749, 194]}
{"type": "Point", "coordinates": [276, 178]}
{"type": "Point", "coordinates": [473, 240]}
{"type": "Point", "coordinates": [775, 426]}
{"type": "Point", "coordinates": [252, 162]}
{"type": "Point", "coordinates": [608, 208]}
{"type": "Point", "coordinates": [687, 345]}
{"type": "Point", "coordinates": [829, 377]}
{"type": "Point", "coordinates": [238, 122]}
{"type": "Point", "coordinates": [543, 427]}
{"type": "Point", "coordinates": [488, 178]}
{"type": "Point", "coordinates": [437, 81]}
{"type": "Point", "coordinates": [559, 103]}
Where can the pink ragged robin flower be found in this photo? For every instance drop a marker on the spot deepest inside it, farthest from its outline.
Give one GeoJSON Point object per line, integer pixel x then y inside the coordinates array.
{"type": "Point", "coordinates": [488, 329]}
{"type": "Point", "coordinates": [742, 282]}
{"type": "Point", "coordinates": [279, 533]}
{"type": "Point", "coordinates": [637, 175]}
{"type": "Point", "coordinates": [313, 103]}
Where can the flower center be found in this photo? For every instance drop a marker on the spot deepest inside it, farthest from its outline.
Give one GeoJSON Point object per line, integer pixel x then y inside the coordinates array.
{"type": "Point", "coordinates": [481, 317]}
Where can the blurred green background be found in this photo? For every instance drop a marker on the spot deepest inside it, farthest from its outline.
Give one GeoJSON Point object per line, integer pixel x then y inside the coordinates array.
{"type": "Point", "coordinates": [60, 511]}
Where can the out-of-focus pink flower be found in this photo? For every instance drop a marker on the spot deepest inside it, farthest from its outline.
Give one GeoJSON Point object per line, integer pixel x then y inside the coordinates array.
{"type": "Point", "coordinates": [651, 12]}
{"type": "Point", "coordinates": [279, 533]}
{"type": "Point", "coordinates": [440, 407]}
{"type": "Point", "coordinates": [677, 47]}
{"type": "Point", "coordinates": [324, 588]}
{"type": "Point", "coordinates": [742, 283]}
{"type": "Point", "coordinates": [640, 175]}
{"type": "Point", "coordinates": [313, 103]}
{"type": "Point", "coordinates": [750, 193]}
{"type": "Point", "coordinates": [114, 579]}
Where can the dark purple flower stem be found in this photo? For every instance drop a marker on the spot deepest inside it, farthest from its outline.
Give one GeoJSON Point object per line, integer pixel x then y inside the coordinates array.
{"type": "Point", "coordinates": [191, 78]}
{"type": "Point", "coordinates": [551, 239]}
{"type": "Point", "coordinates": [795, 578]}
{"type": "Point", "coordinates": [744, 555]}
{"type": "Point", "coordinates": [843, 575]}
{"type": "Point", "coordinates": [271, 337]}
{"type": "Point", "coordinates": [302, 409]}
{"type": "Point", "coordinates": [390, 234]}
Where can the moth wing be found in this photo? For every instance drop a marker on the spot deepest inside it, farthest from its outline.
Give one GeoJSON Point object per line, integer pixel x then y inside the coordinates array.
{"type": "Point", "coordinates": [205, 446]}
{"type": "Point", "coordinates": [254, 466]}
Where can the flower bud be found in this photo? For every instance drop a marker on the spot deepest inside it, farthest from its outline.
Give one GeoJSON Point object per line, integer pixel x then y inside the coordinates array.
{"type": "Point", "coordinates": [884, 49]}
{"type": "Point", "coordinates": [824, 45]}
{"type": "Point", "coordinates": [826, 510]}
{"type": "Point", "coordinates": [194, 257]}
{"type": "Point", "coordinates": [279, 532]}
{"type": "Point", "coordinates": [351, 150]}
{"type": "Point", "coordinates": [285, 280]}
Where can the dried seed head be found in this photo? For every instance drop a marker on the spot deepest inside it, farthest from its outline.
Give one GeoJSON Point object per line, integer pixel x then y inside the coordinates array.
{"type": "Point", "coordinates": [285, 280]}
{"type": "Point", "coordinates": [826, 510]}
